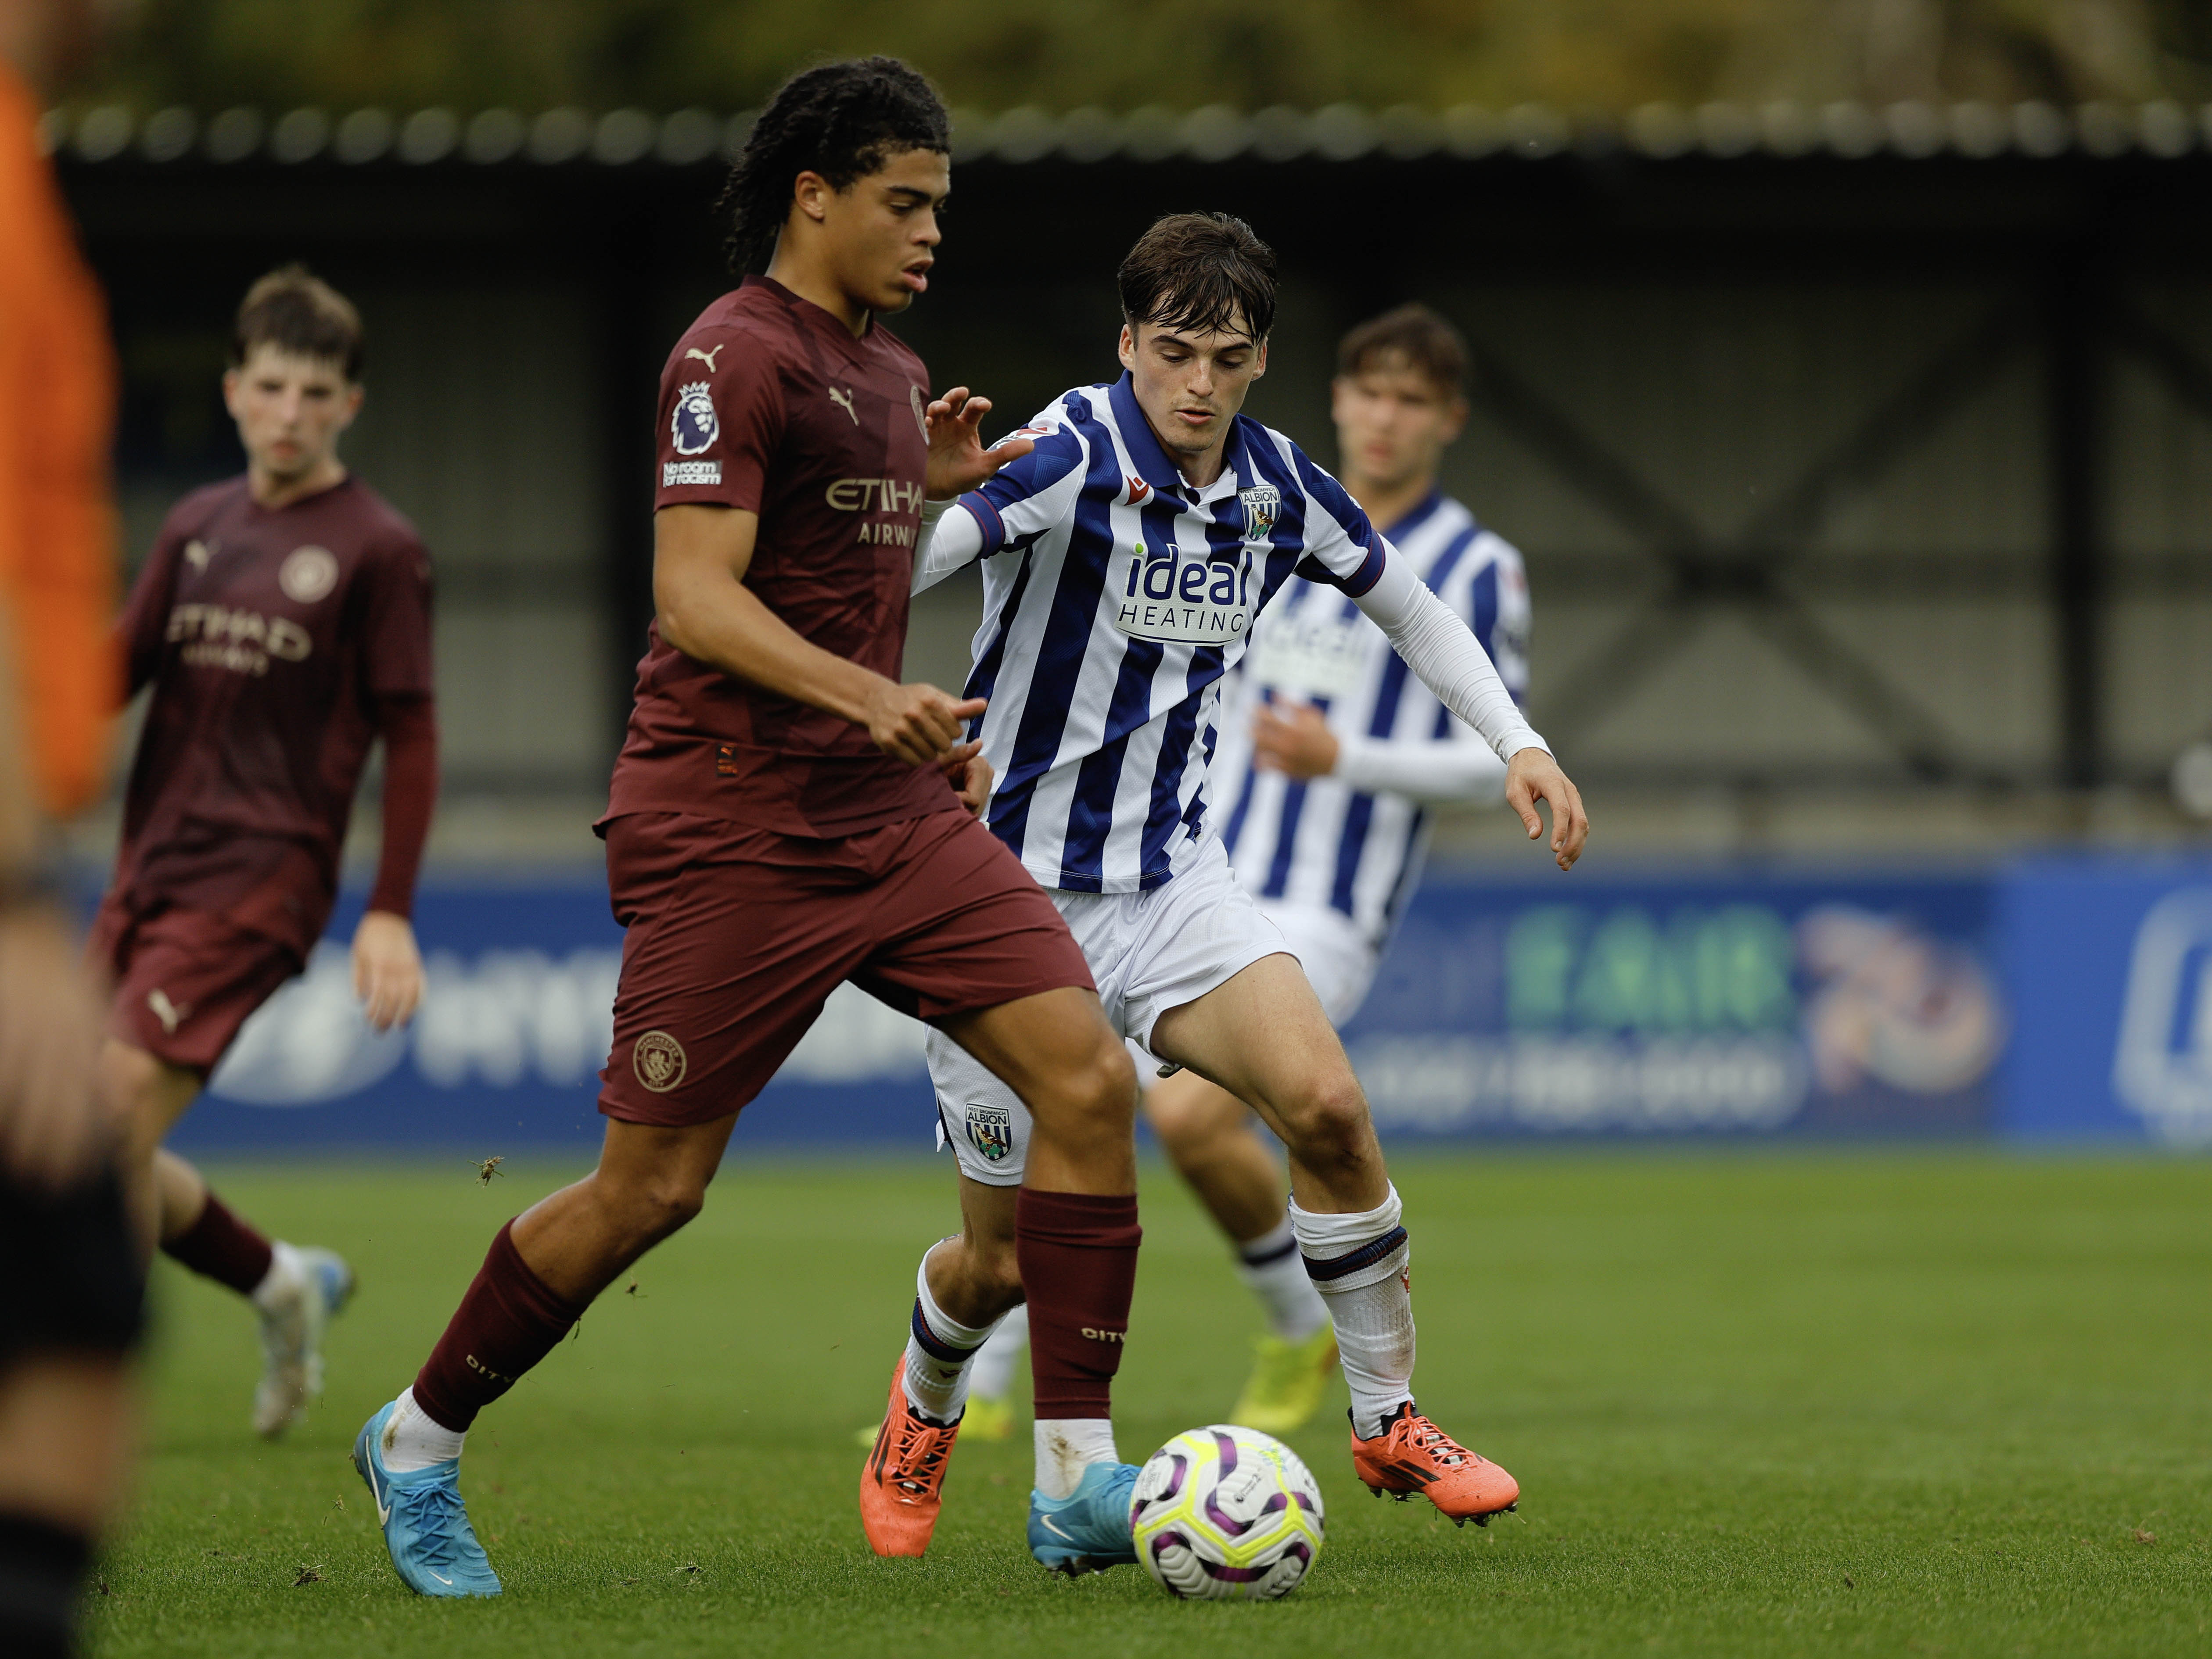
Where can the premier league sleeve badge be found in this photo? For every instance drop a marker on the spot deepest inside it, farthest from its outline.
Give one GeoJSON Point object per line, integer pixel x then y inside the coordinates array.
{"type": "Point", "coordinates": [695, 427]}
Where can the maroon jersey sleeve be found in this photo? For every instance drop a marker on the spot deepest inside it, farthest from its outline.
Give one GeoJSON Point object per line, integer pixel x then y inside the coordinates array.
{"type": "Point", "coordinates": [138, 632]}
{"type": "Point", "coordinates": [722, 419]}
{"type": "Point", "coordinates": [396, 621]}
{"type": "Point", "coordinates": [410, 729]}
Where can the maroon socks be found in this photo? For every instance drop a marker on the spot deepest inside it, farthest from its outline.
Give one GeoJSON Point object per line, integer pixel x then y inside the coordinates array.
{"type": "Point", "coordinates": [508, 1321]}
{"type": "Point", "coordinates": [1079, 1260]}
{"type": "Point", "coordinates": [220, 1247]}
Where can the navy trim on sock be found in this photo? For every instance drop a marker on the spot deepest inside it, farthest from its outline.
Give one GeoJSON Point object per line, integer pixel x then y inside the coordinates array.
{"type": "Point", "coordinates": [1267, 1258]}
{"type": "Point", "coordinates": [935, 1346]}
{"type": "Point", "coordinates": [1366, 1256]}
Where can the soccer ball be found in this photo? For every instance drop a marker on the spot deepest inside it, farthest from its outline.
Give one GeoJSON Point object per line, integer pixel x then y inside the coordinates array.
{"type": "Point", "coordinates": [1226, 1514]}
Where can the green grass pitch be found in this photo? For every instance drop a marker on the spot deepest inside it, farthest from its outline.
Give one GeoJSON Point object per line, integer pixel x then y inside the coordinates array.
{"type": "Point", "coordinates": [1880, 1403]}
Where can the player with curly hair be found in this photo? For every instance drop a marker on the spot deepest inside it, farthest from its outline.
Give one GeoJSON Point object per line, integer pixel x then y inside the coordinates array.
{"type": "Point", "coordinates": [785, 815]}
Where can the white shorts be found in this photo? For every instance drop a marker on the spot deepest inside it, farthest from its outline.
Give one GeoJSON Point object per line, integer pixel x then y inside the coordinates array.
{"type": "Point", "coordinates": [1335, 953]}
{"type": "Point", "coordinates": [1150, 952]}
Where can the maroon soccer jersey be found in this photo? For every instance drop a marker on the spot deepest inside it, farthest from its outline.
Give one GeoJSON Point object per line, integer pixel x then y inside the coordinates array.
{"type": "Point", "coordinates": [769, 405]}
{"type": "Point", "coordinates": [269, 637]}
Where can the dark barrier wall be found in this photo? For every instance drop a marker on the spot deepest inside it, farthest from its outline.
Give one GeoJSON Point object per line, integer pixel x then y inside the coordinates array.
{"type": "Point", "coordinates": [2052, 1002]}
{"type": "Point", "coordinates": [1874, 457]}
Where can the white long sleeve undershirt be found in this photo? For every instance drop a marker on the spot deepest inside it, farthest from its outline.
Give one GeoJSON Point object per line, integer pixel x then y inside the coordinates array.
{"type": "Point", "coordinates": [1444, 655]}
{"type": "Point", "coordinates": [1432, 771]}
{"type": "Point", "coordinates": [949, 539]}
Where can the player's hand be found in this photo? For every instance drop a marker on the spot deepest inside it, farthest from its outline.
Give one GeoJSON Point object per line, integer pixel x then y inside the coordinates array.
{"type": "Point", "coordinates": [919, 724]}
{"type": "Point", "coordinates": [55, 1123]}
{"type": "Point", "coordinates": [957, 460]}
{"type": "Point", "coordinates": [971, 775]}
{"type": "Point", "coordinates": [1294, 738]}
{"type": "Point", "coordinates": [388, 969]}
{"type": "Point", "coordinates": [1532, 775]}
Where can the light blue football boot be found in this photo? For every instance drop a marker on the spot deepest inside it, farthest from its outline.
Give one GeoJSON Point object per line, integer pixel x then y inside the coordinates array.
{"type": "Point", "coordinates": [426, 1525]}
{"type": "Point", "coordinates": [1088, 1530]}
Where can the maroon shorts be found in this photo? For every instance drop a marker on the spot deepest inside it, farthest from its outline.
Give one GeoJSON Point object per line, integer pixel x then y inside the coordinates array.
{"type": "Point", "coordinates": [184, 980]}
{"type": "Point", "coordinates": [737, 935]}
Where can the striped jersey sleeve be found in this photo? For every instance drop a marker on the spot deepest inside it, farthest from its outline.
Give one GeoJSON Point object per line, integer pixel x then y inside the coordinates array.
{"type": "Point", "coordinates": [1026, 498]}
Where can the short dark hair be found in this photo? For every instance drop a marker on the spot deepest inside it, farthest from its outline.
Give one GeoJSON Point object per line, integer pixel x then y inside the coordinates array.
{"type": "Point", "coordinates": [1428, 343]}
{"type": "Point", "coordinates": [295, 311]}
{"type": "Point", "coordinates": [841, 120]}
{"type": "Point", "coordinates": [1206, 272]}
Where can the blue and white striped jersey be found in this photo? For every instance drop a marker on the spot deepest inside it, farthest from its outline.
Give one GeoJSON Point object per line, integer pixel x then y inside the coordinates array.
{"type": "Point", "coordinates": [1323, 841]}
{"type": "Point", "coordinates": [1115, 596]}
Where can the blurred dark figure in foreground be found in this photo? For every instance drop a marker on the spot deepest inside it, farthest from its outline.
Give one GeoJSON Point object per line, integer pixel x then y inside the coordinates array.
{"type": "Point", "coordinates": [70, 1283]}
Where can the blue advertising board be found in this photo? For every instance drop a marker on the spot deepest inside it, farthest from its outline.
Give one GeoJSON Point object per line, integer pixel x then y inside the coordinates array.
{"type": "Point", "coordinates": [2062, 1000]}
{"type": "Point", "coordinates": [1727, 1005]}
{"type": "Point", "coordinates": [2109, 969]}
{"type": "Point", "coordinates": [517, 1015]}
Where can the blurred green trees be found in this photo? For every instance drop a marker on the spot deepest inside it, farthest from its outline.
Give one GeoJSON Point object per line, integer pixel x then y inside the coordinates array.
{"type": "Point", "coordinates": [1578, 54]}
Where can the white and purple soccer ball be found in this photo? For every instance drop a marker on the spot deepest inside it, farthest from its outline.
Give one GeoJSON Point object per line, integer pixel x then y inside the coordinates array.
{"type": "Point", "coordinates": [1226, 1514]}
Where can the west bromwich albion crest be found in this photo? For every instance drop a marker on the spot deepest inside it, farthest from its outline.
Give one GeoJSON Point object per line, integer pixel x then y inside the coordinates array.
{"type": "Point", "coordinates": [992, 1129]}
{"type": "Point", "coordinates": [694, 426]}
{"type": "Point", "coordinates": [1263, 503]}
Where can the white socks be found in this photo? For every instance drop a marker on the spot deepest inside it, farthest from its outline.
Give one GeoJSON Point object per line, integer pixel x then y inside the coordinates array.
{"type": "Point", "coordinates": [284, 1280]}
{"type": "Point", "coordinates": [1271, 1269]}
{"type": "Point", "coordinates": [412, 1441]}
{"type": "Point", "coordinates": [1359, 1264]}
{"type": "Point", "coordinates": [991, 1377]}
{"type": "Point", "coordinates": [938, 1350]}
{"type": "Point", "coordinates": [1065, 1446]}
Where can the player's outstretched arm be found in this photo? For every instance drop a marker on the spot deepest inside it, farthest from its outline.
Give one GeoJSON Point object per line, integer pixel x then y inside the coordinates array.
{"type": "Point", "coordinates": [957, 460]}
{"type": "Point", "coordinates": [1442, 650]}
{"type": "Point", "coordinates": [703, 609]}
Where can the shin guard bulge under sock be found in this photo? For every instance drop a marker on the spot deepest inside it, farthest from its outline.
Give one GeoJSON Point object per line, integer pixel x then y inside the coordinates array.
{"type": "Point", "coordinates": [1079, 1259]}
{"type": "Point", "coordinates": [1274, 1271]}
{"type": "Point", "coordinates": [1360, 1263]}
{"type": "Point", "coordinates": [219, 1246]}
{"type": "Point", "coordinates": [1078, 1253]}
{"type": "Point", "coordinates": [939, 1351]}
{"type": "Point", "coordinates": [508, 1321]}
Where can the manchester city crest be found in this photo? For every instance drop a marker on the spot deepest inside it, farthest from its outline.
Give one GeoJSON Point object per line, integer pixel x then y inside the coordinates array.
{"type": "Point", "coordinates": [991, 1131]}
{"type": "Point", "coordinates": [695, 427]}
{"type": "Point", "coordinates": [1263, 504]}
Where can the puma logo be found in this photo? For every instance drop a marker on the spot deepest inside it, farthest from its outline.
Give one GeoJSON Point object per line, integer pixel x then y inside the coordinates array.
{"type": "Point", "coordinates": [707, 357]}
{"type": "Point", "coordinates": [843, 400]}
{"type": "Point", "coordinates": [167, 1012]}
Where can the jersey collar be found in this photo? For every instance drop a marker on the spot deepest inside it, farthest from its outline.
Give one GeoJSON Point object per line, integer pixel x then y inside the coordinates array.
{"type": "Point", "coordinates": [1152, 464]}
{"type": "Point", "coordinates": [806, 311]}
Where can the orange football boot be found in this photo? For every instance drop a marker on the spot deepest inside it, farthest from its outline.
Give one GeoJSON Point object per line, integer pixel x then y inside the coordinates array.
{"type": "Point", "coordinates": [902, 1483]}
{"type": "Point", "coordinates": [1413, 1455]}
